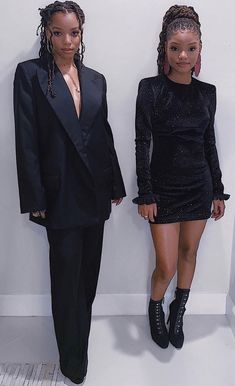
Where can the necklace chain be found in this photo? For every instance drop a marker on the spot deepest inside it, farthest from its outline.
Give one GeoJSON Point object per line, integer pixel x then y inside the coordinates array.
{"type": "Point", "coordinates": [77, 88]}
{"type": "Point", "coordinates": [74, 83]}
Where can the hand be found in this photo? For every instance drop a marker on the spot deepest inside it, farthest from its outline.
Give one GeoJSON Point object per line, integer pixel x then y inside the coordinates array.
{"type": "Point", "coordinates": [218, 209]}
{"type": "Point", "coordinates": [39, 213]}
{"type": "Point", "coordinates": [117, 201]}
{"type": "Point", "coordinates": [148, 211]}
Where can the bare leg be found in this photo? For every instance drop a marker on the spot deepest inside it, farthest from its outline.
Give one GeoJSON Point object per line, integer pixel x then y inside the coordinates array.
{"type": "Point", "coordinates": [166, 241]}
{"type": "Point", "coordinates": [189, 238]}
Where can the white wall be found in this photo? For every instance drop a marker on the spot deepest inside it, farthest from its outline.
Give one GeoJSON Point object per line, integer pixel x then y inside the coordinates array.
{"type": "Point", "coordinates": [121, 41]}
{"type": "Point", "coordinates": [230, 304]}
{"type": "Point", "coordinates": [232, 276]}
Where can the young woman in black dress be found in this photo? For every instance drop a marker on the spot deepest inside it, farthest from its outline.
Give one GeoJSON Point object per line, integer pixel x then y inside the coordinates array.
{"type": "Point", "coordinates": [183, 180]}
{"type": "Point", "coordinates": [68, 171]}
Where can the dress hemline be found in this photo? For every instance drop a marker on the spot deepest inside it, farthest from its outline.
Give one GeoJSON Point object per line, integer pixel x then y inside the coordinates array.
{"type": "Point", "coordinates": [183, 219]}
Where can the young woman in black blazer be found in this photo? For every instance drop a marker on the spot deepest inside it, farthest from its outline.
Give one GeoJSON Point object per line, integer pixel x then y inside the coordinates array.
{"type": "Point", "coordinates": [68, 171]}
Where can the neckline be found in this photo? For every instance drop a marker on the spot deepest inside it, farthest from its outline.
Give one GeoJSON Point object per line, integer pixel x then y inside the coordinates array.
{"type": "Point", "coordinates": [78, 114]}
{"type": "Point", "coordinates": [177, 83]}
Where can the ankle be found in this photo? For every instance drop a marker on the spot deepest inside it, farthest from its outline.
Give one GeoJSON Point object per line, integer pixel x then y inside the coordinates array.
{"type": "Point", "coordinates": [180, 289]}
{"type": "Point", "coordinates": [156, 299]}
{"type": "Point", "coordinates": [181, 292]}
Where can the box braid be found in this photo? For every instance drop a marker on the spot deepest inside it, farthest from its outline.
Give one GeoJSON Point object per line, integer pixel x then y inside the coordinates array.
{"type": "Point", "coordinates": [178, 17]}
{"type": "Point", "coordinates": [45, 51]}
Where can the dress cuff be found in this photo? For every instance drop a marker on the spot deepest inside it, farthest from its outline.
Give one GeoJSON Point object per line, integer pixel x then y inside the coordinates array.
{"type": "Point", "coordinates": [147, 199]}
{"type": "Point", "coordinates": [221, 196]}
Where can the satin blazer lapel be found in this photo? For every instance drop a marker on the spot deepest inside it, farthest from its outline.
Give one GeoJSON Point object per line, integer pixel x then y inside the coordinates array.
{"type": "Point", "coordinates": [64, 108]}
{"type": "Point", "coordinates": [91, 100]}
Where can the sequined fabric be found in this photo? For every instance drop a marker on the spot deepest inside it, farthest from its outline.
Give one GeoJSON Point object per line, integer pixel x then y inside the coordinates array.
{"type": "Point", "coordinates": [183, 175]}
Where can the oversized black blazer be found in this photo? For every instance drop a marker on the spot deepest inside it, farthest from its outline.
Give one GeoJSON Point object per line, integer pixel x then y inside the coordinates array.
{"type": "Point", "coordinates": [66, 165]}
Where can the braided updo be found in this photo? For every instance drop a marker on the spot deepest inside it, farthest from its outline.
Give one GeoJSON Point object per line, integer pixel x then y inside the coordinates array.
{"type": "Point", "coordinates": [177, 18]}
{"type": "Point", "coordinates": [46, 45]}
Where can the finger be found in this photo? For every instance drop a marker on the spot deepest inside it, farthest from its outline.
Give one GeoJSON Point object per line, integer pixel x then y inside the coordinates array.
{"type": "Point", "coordinates": [218, 217]}
{"type": "Point", "coordinates": [36, 214]}
{"type": "Point", "coordinates": [220, 214]}
{"type": "Point", "coordinates": [145, 215]}
{"type": "Point", "coordinates": [43, 214]}
{"type": "Point", "coordinates": [151, 215]}
{"type": "Point", "coordinates": [143, 210]}
{"type": "Point", "coordinates": [155, 210]}
{"type": "Point", "coordinates": [117, 201]}
{"type": "Point", "coordinates": [216, 212]}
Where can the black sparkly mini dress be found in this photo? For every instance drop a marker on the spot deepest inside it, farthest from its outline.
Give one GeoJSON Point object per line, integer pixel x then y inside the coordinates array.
{"type": "Point", "coordinates": [183, 175]}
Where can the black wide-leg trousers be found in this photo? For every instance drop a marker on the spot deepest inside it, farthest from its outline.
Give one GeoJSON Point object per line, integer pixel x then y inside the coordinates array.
{"type": "Point", "coordinates": [75, 256]}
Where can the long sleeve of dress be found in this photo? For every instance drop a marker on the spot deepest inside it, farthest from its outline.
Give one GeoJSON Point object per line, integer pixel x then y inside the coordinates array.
{"type": "Point", "coordinates": [211, 152]}
{"type": "Point", "coordinates": [144, 106]}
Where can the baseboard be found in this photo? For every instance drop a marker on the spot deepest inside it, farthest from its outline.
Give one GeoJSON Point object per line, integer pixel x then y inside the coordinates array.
{"type": "Point", "coordinates": [230, 312]}
{"type": "Point", "coordinates": [136, 304]}
{"type": "Point", "coordinates": [25, 305]}
{"type": "Point", "coordinates": [110, 304]}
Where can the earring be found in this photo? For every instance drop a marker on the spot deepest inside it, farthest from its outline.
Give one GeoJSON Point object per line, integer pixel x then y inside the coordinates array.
{"type": "Point", "coordinates": [166, 67]}
{"type": "Point", "coordinates": [197, 67]}
{"type": "Point", "coordinates": [49, 46]}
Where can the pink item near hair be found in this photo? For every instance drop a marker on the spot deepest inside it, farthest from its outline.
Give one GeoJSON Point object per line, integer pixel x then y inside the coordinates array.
{"type": "Point", "coordinates": [166, 67]}
{"type": "Point", "coordinates": [197, 67]}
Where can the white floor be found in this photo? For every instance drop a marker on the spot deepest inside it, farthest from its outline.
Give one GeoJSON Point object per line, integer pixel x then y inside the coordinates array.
{"type": "Point", "coordinates": [121, 352]}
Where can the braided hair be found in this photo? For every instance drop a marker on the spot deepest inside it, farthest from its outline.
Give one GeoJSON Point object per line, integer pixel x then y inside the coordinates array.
{"type": "Point", "coordinates": [45, 51]}
{"type": "Point", "coordinates": [177, 18]}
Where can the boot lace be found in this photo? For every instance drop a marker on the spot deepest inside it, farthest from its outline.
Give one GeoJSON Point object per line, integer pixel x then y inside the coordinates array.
{"type": "Point", "coordinates": [180, 314]}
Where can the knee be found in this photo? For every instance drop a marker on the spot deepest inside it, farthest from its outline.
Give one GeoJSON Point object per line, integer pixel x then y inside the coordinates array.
{"type": "Point", "coordinates": [165, 272]}
{"type": "Point", "coordinates": [187, 253]}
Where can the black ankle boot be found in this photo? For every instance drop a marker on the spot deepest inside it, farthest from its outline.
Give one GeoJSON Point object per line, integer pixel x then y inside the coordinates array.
{"type": "Point", "coordinates": [177, 310]}
{"type": "Point", "coordinates": [157, 323]}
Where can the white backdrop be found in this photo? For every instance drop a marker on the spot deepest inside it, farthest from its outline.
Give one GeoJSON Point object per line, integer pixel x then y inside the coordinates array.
{"type": "Point", "coordinates": [121, 42]}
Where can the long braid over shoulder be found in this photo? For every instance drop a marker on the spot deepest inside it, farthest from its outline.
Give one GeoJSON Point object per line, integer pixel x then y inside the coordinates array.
{"type": "Point", "coordinates": [178, 17]}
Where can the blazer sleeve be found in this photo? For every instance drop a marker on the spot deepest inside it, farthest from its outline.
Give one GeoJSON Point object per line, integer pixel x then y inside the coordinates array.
{"type": "Point", "coordinates": [32, 194]}
{"type": "Point", "coordinates": [211, 151]}
{"type": "Point", "coordinates": [143, 125]}
{"type": "Point", "coordinates": [118, 188]}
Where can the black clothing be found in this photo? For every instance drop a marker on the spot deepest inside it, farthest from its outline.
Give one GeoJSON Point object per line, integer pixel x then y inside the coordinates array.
{"type": "Point", "coordinates": [183, 176]}
{"type": "Point", "coordinates": [75, 262]}
{"type": "Point", "coordinates": [66, 165]}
